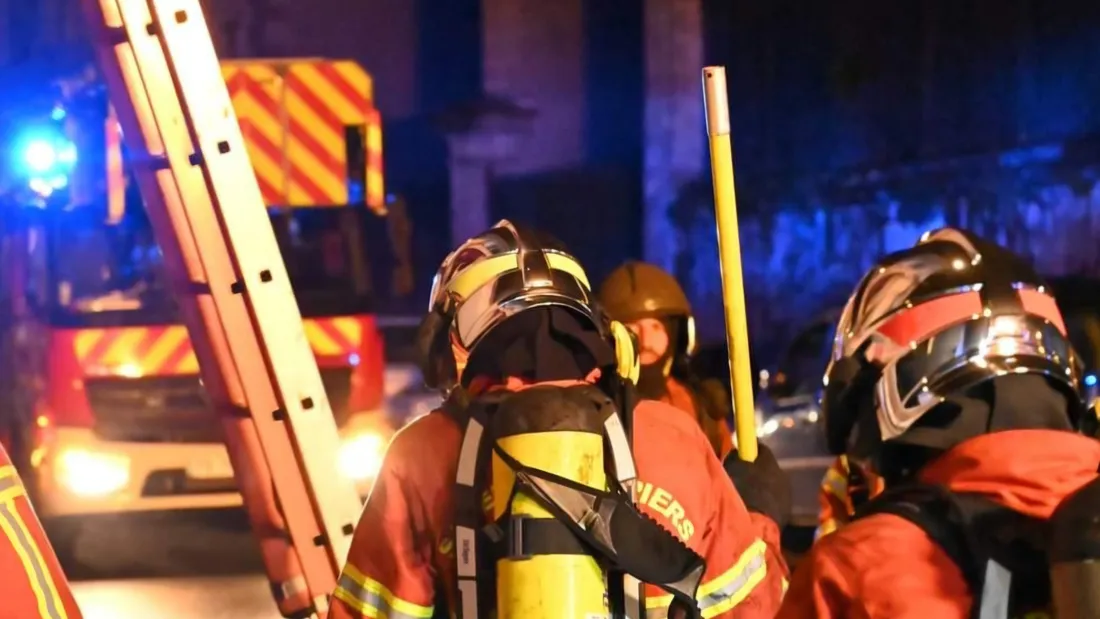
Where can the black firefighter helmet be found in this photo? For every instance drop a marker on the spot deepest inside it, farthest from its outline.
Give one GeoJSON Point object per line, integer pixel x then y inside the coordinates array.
{"type": "Point", "coordinates": [935, 320]}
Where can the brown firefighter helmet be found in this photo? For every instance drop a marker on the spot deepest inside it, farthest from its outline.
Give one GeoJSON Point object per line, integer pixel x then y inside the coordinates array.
{"type": "Point", "coordinates": [638, 290]}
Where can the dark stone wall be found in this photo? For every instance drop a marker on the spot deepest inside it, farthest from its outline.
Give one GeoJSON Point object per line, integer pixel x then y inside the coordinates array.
{"type": "Point", "coordinates": [805, 243]}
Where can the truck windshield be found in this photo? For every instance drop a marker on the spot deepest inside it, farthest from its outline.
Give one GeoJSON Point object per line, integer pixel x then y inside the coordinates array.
{"type": "Point", "coordinates": [114, 275]}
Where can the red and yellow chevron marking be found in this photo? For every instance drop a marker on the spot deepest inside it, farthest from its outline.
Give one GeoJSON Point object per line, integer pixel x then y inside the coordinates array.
{"type": "Point", "coordinates": [293, 116]}
{"type": "Point", "coordinates": [159, 351]}
{"type": "Point", "coordinates": [255, 90]}
{"type": "Point", "coordinates": [334, 336]}
{"type": "Point", "coordinates": [376, 185]}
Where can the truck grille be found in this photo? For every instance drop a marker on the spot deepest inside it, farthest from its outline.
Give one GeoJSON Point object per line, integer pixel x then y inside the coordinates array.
{"type": "Point", "coordinates": [175, 409]}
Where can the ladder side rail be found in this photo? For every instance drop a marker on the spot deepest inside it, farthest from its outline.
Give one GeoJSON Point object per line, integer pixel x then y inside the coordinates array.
{"type": "Point", "coordinates": [162, 196]}
{"type": "Point", "coordinates": [201, 314]}
{"type": "Point", "coordinates": [256, 255]}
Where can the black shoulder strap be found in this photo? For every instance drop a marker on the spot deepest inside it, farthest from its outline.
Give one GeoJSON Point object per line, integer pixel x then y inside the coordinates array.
{"type": "Point", "coordinates": [978, 535]}
{"type": "Point", "coordinates": [469, 500]}
{"type": "Point", "coordinates": [934, 510]}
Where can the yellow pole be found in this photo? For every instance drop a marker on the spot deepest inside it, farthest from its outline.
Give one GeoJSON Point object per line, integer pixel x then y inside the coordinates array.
{"type": "Point", "coordinates": [716, 101]}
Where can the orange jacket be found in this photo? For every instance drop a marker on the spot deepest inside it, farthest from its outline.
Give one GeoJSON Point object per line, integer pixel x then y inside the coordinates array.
{"type": "Point", "coordinates": [835, 498]}
{"type": "Point", "coordinates": [716, 431]}
{"type": "Point", "coordinates": [32, 585]}
{"type": "Point", "coordinates": [403, 550]}
{"type": "Point", "coordinates": [886, 567]}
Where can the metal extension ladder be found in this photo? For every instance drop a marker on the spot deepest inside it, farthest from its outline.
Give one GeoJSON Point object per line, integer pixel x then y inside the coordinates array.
{"type": "Point", "coordinates": [219, 249]}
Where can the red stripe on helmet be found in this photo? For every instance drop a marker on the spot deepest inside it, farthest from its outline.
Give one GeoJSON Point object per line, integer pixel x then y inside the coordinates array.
{"type": "Point", "coordinates": [919, 322]}
{"type": "Point", "coordinates": [1043, 306]}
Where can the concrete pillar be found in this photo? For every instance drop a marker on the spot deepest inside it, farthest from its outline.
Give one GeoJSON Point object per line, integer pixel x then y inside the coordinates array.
{"type": "Point", "coordinates": [533, 53]}
{"type": "Point", "coordinates": [675, 139]}
{"type": "Point", "coordinates": [479, 140]}
{"type": "Point", "coordinates": [470, 178]}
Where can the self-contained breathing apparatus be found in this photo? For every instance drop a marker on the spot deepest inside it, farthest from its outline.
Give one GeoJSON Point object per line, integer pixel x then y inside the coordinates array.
{"type": "Point", "coordinates": [563, 537]}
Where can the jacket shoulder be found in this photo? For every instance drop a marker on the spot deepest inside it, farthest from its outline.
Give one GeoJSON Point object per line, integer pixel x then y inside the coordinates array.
{"type": "Point", "coordinates": [432, 437]}
{"type": "Point", "coordinates": [666, 422]}
{"type": "Point", "coordinates": [886, 553]}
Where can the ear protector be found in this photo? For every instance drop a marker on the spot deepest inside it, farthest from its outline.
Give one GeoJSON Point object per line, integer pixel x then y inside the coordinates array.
{"type": "Point", "coordinates": [849, 392]}
{"type": "Point", "coordinates": [692, 342]}
{"type": "Point", "coordinates": [627, 359]}
{"type": "Point", "coordinates": [436, 358]}
{"type": "Point", "coordinates": [433, 350]}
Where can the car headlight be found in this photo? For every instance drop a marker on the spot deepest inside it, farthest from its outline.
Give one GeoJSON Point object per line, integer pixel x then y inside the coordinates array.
{"type": "Point", "coordinates": [768, 427]}
{"type": "Point", "coordinates": [785, 420]}
{"type": "Point", "coordinates": [92, 474]}
{"type": "Point", "coordinates": [361, 456]}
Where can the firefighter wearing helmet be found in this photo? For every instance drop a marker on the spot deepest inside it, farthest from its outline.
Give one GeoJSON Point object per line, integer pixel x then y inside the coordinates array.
{"type": "Point", "coordinates": [953, 378]}
{"type": "Point", "coordinates": [500, 503]}
{"type": "Point", "coordinates": [652, 304]}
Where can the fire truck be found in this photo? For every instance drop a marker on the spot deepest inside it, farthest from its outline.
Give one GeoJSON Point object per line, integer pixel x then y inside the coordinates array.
{"type": "Point", "coordinates": [110, 414]}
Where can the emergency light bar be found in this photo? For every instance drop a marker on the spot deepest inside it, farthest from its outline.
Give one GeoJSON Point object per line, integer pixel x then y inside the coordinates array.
{"type": "Point", "coordinates": [44, 158]}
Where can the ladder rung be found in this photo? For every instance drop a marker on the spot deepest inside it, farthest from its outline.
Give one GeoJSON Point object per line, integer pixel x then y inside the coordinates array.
{"type": "Point", "coordinates": [116, 35]}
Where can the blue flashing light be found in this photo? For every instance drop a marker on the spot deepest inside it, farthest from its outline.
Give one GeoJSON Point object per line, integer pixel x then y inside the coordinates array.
{"type": "Point", "coordinates": [40, 156]}
{"type": "Point", "coordinates": [1090, 380]}
{"type": "Point", "coordinates": [45, 159]}
{"type": "Point", "coordinates": [353, 360]}
{"type": "Point", "coordinates": [58, 113]}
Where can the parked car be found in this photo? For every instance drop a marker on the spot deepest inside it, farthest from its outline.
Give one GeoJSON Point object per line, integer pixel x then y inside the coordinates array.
{"type": "Point", "coordinates": [787, 407]}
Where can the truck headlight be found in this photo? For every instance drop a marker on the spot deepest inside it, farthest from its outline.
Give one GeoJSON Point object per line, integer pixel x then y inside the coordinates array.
{"type": "Point", "coordinates": [92, 474]}
{"type": "Point", "coordinates": [361, 456]}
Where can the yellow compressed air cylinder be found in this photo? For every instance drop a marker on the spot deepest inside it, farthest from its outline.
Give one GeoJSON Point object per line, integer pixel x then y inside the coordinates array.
{"type": "Point", "coordinates": [549, 586]}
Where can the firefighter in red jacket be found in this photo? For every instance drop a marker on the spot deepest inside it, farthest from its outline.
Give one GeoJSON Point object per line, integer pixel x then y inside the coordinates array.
{"type": "Point", "coordinates": [953, 376]}
{"type": "Point", "coordinates": [651, 303]}
{"type": "Point", "coordinates": [499, 323]}
{"type": "Point", "coordinates": [32, 585]}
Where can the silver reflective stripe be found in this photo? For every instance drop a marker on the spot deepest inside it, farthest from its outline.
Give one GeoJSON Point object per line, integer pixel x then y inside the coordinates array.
{"type": "Point", "coordinates": [372, 599]}
{"type": "Point", "coordinates": [9, 482]}
{"type": "Point", "coordinates": [635, 597]}
{"type": "Point", "coordinates": [620, 449]}
{"type": "Point", "coordinates": [468, 590]}
{"type": "Point", "coordinates": [735, 587]}
{"type": "Point", "coordinates": [467, 457]}
{"type": "Point", "coordinates": [42, 579]}
{"type": "Point", "coordinates": [466, 550]}
{"type": "Point", "coordinates": [998, 583]}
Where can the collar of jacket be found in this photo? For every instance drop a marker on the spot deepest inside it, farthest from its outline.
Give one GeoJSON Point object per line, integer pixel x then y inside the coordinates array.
{"type": "Point", "coordinates": [1028, 471]}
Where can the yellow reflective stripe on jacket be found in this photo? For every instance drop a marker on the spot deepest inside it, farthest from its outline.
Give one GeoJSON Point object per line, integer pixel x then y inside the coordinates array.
{"type": "Point", "coordinates": [724, 592]}
{"type": "Point", "coordinates": [15, 529]}
{"type": "Point", "coordinates": [372, 599]}
{"type": "Point", "coordinates": [836, 484]}
{"type": "Point", "coordinates": [825, 528]}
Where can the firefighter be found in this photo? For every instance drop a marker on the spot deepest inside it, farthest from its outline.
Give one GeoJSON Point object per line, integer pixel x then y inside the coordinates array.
{"type": "Point", "coordinates": [32, 585]}
{"type": "Point", "coordinates": [652, 304]}
{"type": "Point", "coordinates": [953, 378]}
{"type": "Point", "coordinates": [511, 316]}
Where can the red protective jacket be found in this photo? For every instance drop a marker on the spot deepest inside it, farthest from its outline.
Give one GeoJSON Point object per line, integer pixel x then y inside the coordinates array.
{"type": "Point", "coordinates": [403, 547]}
{"type": "Point", "coordinates": [32, 585]}
{"type": "Point", "coordinates": [715, 430]}
{"type": "Point", "coordinates": [886, 567]}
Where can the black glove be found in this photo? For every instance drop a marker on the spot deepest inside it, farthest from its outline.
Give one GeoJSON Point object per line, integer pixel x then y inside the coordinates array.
{"type": "Point", "coordinates": [763, 486]}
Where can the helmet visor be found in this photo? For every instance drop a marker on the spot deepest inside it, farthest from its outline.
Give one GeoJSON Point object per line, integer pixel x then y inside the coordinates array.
{"type": "Point", "coordinates": [967, 353]}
